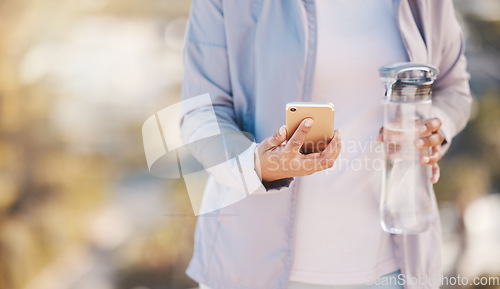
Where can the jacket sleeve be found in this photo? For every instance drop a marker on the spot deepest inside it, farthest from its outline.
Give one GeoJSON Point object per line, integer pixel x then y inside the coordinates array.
{"type": "Point", "coordinates": [452, 98]}
{"type": "Point", "coordinates": [229, 156]}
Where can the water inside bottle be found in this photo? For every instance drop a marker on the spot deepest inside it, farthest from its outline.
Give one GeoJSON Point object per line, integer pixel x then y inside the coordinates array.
{"type": "Point", "coordinates": [406, 206]}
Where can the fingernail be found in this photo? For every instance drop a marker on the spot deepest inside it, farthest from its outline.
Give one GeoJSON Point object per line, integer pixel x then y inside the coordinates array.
{"type": "Point", "coordinates": [282, 130]}
{"type": "Point", "coordinates": [426, 159]}
{"type": "Point", "coordinates": [308, 122]}
{"type": "Point", "coordinates": [339, 133]}
{"type": "Point", "coordinates": [423, 128]}
{"type": "Point", "coordinates": [420, 142]}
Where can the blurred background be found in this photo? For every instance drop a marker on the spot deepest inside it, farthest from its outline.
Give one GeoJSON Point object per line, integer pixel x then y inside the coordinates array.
{"type": "Point", "coordinates": [78, 208]}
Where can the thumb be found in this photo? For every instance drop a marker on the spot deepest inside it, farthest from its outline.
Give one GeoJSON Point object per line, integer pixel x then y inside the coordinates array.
{"type": "Point", "coordinates": [380, 136]}
{"type": "Point", "coordinates": [277, 139]}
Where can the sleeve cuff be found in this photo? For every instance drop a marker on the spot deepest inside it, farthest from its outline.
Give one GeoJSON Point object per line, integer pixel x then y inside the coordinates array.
{"type": "Point", "coordinates": [447, 126]}
{"type": "Point", "coordinates": [278, 184]}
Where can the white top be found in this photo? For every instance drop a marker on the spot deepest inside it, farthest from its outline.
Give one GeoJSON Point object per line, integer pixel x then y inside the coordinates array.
{"type": "Point", "coordinates": [339, 239]}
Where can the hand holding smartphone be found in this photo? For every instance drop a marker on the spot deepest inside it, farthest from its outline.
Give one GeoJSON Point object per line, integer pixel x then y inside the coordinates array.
{"type": "Point", "coordinates": [313, 145]}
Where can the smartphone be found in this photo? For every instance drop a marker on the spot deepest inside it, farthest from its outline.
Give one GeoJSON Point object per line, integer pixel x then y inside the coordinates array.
{"type": "Point", "coordinates": [321, 132]}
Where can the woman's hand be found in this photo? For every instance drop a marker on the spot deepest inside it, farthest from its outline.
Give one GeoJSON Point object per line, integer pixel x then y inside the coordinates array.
{"type": "Point", "coordinates": [430, 137]}
{"type": "Point", "coordinates": [275, 160]}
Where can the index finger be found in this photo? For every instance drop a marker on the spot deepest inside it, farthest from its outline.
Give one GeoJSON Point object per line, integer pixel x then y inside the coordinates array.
{"type": "Point", "coordinates": [299, 136]}
{"type": "Point", "coordinates": [431, 125]}
{"type": "Point", "coordinates": [333, 148]}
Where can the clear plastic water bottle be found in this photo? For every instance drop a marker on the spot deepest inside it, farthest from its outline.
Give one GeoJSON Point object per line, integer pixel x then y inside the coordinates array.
{"type": "Point", "coordinates": [407, 194]}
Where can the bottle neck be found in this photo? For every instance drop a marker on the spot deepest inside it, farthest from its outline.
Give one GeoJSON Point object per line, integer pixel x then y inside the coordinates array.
{"type": "Point", "coordinates": [404, 92]}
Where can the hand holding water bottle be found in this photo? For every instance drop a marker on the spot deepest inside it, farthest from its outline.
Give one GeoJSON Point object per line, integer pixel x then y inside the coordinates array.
{"type": "Point", "coordinates": [432, 137]}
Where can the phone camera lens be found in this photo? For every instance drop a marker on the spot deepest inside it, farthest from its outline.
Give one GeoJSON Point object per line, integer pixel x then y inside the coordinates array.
{"type": "Point", "coordinates": [293, 109]}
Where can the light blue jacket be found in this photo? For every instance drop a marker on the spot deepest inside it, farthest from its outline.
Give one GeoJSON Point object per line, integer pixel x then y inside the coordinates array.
{"type": "Point", "coordinates": [254, 56]}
